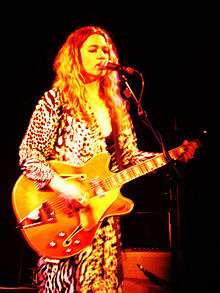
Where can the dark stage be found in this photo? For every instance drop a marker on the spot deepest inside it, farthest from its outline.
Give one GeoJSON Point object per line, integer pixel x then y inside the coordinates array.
{"type": "Point", "coordinates": [177, 51]}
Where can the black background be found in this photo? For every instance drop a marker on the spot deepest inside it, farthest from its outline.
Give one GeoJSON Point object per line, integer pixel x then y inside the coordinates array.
{"type": "Point", "coordinates": [176, 47]}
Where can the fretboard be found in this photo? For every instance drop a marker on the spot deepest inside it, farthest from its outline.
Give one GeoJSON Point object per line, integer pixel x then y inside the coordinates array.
{"type": "Point", "coordinates": [147, 166]}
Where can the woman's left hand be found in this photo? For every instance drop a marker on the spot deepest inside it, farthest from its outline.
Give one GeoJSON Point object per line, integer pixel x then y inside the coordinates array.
{"type": "Point", "coordinates": [189, 151]}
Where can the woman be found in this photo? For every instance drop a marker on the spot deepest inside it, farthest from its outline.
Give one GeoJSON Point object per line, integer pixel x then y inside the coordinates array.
{"type": "Point", "coordinates": [82, 115]}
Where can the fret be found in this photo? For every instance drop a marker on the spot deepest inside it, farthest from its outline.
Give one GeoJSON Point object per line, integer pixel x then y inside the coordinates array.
{"type": "Point", "coordinates": [124, 176]}
{"type": "Point", "coordinates": [150, 165]}
{"type": "Point", "coordinates": [143, 168]}
{"type": "Point", "coordinates": [177, 152]}
{"type": "Point", "coordinates": [133, 171]}
{"type": "Point", "coordinates": [137, 171]}
{"type": "Point", "coordinates": [114, 181]}
{"type": "Point", "coordinates": [130, 173]}
{"type": "Point", "coordinates": [159, 161]}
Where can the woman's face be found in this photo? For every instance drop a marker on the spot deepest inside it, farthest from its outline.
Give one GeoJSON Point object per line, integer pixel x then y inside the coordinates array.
{"type": "Point", "coordinates": [94, 55]}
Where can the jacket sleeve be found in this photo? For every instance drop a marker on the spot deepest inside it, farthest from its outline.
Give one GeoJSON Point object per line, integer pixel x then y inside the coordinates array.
{"type": "Point", "coordinates": [38, 141]}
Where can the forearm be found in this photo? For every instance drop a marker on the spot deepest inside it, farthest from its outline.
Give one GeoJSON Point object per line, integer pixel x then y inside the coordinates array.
{"type": "Point", "coordinates": [38, 142]}
{"type": "Point", "coordinates": [62, 187]}
{"type": "Point", "coordinates": [69, 191]}
{"type": "Point", "coordinates": [35, 167]}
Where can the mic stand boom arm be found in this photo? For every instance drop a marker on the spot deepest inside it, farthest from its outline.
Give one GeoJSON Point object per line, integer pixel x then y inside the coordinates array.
{"type": "Point", "coordinates": [144, 119]}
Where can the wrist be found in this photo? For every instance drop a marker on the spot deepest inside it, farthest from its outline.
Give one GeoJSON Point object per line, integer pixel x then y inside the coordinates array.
{"type": "Point", "coordinates": [61, 186]}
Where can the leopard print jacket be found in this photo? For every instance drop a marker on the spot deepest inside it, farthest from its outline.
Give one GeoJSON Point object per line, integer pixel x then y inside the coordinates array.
{"type": "Point", "coordinates": [53, 133]}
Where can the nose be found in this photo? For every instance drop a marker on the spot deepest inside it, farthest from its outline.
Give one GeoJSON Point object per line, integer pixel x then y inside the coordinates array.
{"type": "Point", "coordinates": [101, 53]}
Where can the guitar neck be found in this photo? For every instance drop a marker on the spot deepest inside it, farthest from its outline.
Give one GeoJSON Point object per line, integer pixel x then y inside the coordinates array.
{"type": "Point", "coordinates": [147, 166]}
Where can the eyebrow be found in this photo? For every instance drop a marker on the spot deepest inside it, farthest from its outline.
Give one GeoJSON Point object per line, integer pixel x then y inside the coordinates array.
{"type": "Point", "coordinates": [94, 45]}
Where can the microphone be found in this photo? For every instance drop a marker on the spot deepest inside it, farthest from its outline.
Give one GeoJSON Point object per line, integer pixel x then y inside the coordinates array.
{"type": "Point", "coordinates": [118, 67]}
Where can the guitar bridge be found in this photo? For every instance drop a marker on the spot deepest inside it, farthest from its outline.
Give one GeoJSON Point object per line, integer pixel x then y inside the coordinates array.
{"type": "Point", "coordinates": [44, 214]}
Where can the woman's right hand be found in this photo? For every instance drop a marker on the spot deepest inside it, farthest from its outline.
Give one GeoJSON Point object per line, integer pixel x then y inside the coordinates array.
{"type": "Point", "coordinates": [72, 193]}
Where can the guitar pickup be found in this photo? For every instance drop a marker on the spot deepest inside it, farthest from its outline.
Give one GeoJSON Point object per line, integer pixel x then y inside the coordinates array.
{"type": "Point", "coordinates": [39, 216]}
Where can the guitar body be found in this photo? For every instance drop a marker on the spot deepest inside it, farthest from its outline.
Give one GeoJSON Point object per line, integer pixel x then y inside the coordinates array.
{"type": "Point", "coordinates": [49, 226]}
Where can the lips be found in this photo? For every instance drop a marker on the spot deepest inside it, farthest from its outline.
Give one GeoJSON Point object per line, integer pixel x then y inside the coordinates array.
{"type": "Point", "coordinates": [101, 65]}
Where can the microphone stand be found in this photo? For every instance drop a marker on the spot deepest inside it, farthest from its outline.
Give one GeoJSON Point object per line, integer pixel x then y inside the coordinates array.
{"type": "Point", "coordinates": [174, 177]}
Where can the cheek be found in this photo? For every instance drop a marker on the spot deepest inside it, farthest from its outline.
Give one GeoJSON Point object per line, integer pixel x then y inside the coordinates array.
{"type": "Point", "coordinates": [87, 62]}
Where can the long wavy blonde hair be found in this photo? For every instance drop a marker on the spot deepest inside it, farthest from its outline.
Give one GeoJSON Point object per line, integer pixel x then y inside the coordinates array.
{"type": "Point", "coordinates": [67, 67]}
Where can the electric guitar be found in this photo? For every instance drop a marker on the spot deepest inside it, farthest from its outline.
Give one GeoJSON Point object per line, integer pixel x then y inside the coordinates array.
{"type": "Point", "coordinates": [57, 231]}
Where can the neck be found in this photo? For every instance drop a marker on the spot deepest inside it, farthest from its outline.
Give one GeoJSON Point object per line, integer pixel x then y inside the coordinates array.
{"type": "Point", "coordinates": [92, 89]}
